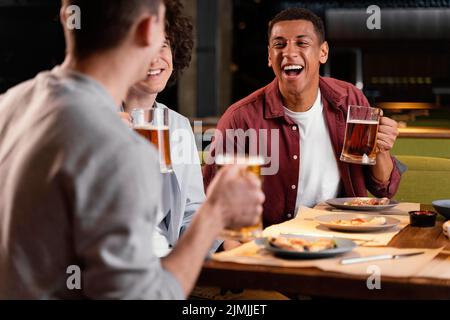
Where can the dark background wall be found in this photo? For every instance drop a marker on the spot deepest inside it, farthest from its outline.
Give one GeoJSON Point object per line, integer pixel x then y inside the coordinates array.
{"type": "Point", "coordinates": [393, 68]}
{"type": "Point", "coordinates": [400, 63]}
{"type": "Point", "coordinates": [31, 39]}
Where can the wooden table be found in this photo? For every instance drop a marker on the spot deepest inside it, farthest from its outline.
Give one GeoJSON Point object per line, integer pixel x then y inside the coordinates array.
{"type": "Point", "coordinates": [316, 283]}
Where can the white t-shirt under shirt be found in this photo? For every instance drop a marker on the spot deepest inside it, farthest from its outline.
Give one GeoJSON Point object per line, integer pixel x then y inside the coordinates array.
{"type": "Point", "coordinates": [319, 177]}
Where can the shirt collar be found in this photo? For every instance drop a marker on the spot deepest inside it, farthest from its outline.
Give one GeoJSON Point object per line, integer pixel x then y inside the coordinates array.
{"type": "Point", "coordinates": [274, 104]}
{"type": "Point", "coordinates": [335, 95]}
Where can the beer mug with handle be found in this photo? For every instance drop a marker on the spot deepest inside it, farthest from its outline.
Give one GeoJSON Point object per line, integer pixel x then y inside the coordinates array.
{"type": "Point", "coordinates": [253, 165]}
{"type": "Point", "coordinates": [153, 125]}
{"type": "Point", "coordinates": [361, 135]}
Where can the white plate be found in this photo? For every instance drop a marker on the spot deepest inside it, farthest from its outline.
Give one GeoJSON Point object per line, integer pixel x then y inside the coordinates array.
{"type": "Point", "coordinates": [342, 246]}
{"type": "Point", "coordinates": [327, 221]}
{"type": "Point", "coordinates": [340, 204]}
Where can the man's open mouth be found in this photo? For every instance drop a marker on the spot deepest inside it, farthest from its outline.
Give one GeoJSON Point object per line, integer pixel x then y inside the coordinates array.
{"type": "Point", "coordinates": [154, 72]}
{"type": "Point", "coordinates": [292, 70]}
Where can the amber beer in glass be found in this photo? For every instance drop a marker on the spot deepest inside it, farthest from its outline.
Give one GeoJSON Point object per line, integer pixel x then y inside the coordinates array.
{"type": "Point", "coordinates": [361, 135]}
{"type": "Point", "coordinates": [153, 125]}
{"type": "Point", "coordinates": [253, 164]}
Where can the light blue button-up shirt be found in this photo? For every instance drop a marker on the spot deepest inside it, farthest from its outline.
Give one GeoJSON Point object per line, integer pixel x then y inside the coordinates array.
{"type": "Point", "coordinates": [183, 191]}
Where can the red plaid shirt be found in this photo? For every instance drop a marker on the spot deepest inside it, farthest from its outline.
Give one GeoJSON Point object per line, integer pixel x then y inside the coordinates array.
{"type": "Point", "coordinates": [263, 109]}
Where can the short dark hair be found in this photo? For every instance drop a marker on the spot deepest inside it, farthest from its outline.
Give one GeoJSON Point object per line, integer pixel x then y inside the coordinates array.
{"type": "Point", "coordinates": [179, 31]}
{"type": "Point", "coordinates": [105, 23]}
{"type": "Point", "coordinates": [299, 14]}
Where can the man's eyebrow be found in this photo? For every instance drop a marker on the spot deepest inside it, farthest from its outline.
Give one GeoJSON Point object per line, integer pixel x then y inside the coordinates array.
{"type": "Point", "coordinates": [301, 36]}
{"type": "Point", "coordinates": [278, 38]}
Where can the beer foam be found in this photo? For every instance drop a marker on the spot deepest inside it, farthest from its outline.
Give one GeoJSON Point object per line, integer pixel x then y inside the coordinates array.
{"type": "Point", "coordinates": [150, 127]}
{"type": "Point", "coordinates": [141, 127]}
{"type": "Point", "coordinates": [363, 121]}
{"type": "Point", "coordinates": [254, 160]}
{"type": "Point", "coordinates": [238, 159]}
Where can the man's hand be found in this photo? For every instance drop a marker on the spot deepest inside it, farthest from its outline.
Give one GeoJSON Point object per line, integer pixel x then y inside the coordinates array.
{"type": "Point", "coordinates": [125, 116]}
{"type": "Point", "coordinates": [387, 134]}
{"type": "Point", "coordinates": [234, 199]}
{"type": "Point", "coordinates": [238, 196]}
{"type": "Point", "coordinates": [230, 244]}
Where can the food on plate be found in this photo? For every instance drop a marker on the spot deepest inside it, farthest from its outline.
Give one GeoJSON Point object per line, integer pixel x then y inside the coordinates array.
{"type": "Point", "coordinates": [377, 221]}
{"type": "Point", "coordinates": [368, 202]}
{"type": "Point", "coordinates": [302, 245]}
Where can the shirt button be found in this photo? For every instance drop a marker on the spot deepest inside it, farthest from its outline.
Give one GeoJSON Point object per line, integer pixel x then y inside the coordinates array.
{"type": "Point", "coordinates": [289, 215]}
{"type": "Point", "coordinates": [294, 187]}
{"type": "Point", "coordinates": [294, 128]}
{"type": "Point", "coordinates": [295, 157]}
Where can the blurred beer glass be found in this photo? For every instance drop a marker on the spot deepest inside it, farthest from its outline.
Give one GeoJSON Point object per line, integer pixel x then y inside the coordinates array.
{"type": "Point", "coordinates": [361, 135]}
{"type": "Point", "coordinates": [253, 165]}
{"type": "Point", "coordinates": [153, 125]}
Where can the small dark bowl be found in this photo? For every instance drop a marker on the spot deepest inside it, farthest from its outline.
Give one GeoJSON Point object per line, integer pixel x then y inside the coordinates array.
{"type": "Point", "coordinates": [443, 207]}
{"type": "Point", "coordinates": [422, 219]}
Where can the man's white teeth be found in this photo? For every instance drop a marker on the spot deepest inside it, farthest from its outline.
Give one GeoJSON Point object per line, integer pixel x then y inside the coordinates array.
{"type": "Point", "coordinates": [293, 67]}
{"type": "Point", "coordinates": [154, 72]}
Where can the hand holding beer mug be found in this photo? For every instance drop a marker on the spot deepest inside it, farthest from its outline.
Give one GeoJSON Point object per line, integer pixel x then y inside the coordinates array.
{"type": "Point", "coordinates": [153, 125]}
{"type": "Point", "coordinates": [253, 165]}
{"type": "Point", "coordinates": [361, 135]}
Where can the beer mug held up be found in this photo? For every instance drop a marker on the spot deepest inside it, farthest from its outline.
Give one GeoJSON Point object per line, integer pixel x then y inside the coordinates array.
{"type": "Point", "coordinates": [253, 165]}
{"type": "Point", "coordinates": [153, 125]}
{"type": "Point", "coordinates": [361, 135]}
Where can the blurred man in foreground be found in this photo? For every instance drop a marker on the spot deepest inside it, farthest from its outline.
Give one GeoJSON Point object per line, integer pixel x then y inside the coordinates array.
{"type": "Point", "coordinates": [80, 189]}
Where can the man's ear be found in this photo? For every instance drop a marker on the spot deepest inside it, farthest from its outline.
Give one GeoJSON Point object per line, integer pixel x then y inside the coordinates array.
{"type": "Point", "coordinates": [324, 49]}
{"type": "Point", "coordinates": [63, 15]}
{"type": "Point", "coordinates": [269, 57]}
{"type": "Point", "coordinates": [144, 30]}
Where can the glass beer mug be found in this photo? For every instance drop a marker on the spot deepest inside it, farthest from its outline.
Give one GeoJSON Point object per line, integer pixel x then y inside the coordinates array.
{"type": "Point", "coordinates": [361, 135]}
{"type": "Point", "coordinates": [253, 164]}
{"type": "Point", "coordinates": [153, 125]}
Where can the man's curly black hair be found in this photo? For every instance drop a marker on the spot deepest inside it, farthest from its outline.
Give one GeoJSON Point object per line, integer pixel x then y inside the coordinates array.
{"type": "Point", "coordinates": [179, 31]}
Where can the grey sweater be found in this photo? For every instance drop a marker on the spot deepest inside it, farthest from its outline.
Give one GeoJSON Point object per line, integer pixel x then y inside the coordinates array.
{"type": "Point", "coordinates": [78, 189]}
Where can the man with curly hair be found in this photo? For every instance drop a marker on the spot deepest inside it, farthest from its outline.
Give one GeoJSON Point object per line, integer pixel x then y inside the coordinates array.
{"type": "Point", "coordinates": [183, 189]}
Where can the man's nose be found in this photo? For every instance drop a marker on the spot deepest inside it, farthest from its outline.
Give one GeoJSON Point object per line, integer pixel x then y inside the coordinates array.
{"type": "Point", "coordinates": [155, 60]}
{"type": "Point", "coordinates": [290, 50]}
